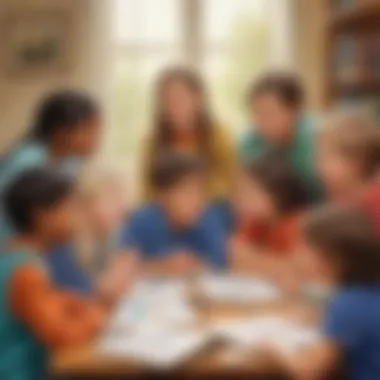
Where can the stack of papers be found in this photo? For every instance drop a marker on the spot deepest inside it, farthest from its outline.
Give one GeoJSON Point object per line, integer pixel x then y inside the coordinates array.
{"type": "Point", "coordinates": [235, 289]}
{"type": "Point", "coordinates": [150, 302]}
{"type": "Point", "coordinates": [160, 348]}
{"type": "Point", "coordinates": [256, 332]}
{"type": "Point", "coordinates": [154, 324]}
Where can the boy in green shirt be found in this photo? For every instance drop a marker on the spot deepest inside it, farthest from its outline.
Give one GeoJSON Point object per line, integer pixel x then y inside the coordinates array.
{"type": "Point", "coordinates": [276, 103]}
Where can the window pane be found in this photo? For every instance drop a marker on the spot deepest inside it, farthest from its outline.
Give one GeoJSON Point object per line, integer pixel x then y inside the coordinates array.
{"type": "Point", "coordinates": [148, 21]}
{"type": "Point", "coordinates": [132, 99]}
{"type": "Point", "coordinates": [236, 50]}
{"type": "Point", "coordinates": [222, 17]}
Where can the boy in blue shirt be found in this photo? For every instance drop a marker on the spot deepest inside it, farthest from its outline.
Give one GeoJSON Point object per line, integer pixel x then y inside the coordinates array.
{"type": "Point", "coordinates": [341, 244]}
{"type": "Point", "coordinates": [176, 234]}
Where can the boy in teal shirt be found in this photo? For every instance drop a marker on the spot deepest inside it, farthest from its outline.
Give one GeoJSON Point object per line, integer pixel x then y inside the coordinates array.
{"type": "Point", "coordinates": [35, 318]}
{"type": "Point", "coordinates": [67, 129]}
{"type": "Point", "coordinates": [276, 102]}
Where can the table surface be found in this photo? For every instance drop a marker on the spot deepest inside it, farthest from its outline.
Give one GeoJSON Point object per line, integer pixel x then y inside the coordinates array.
{"type": "Point", "coordinates": [214, 359]}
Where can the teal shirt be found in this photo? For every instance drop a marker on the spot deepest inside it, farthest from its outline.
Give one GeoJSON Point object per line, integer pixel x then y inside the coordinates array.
{"type": "Point", "coordinates": [22, 357]}
{"type": "Point", "coordinates": [27, 155]}
{"type": "Point", "coordinates": [300, 151]}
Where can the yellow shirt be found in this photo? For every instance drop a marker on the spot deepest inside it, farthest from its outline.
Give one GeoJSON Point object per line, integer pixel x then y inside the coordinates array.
{"type": "Point", "coordinates": [220, 174]}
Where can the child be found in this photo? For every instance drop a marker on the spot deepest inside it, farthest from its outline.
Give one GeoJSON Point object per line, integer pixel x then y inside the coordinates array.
{"type": "Point", "coordinates": [348, 161]}
{"type": "Point", "coordinates": [183, 123]}
{"type": "Point", "coordinates": [276, 103]}
{"type": "Point", "coordinates": [93, 264]}
{"type": "Point", "coordinates": [36, 318]}
{"type": "Point", "coordinates": [342, 244]}
{"type": "Point", "coordinates": [174, 233]}
{"type": "Point", "coordinates": [266, 209]}
{"type": "Point", "coordinates": [67, 130]}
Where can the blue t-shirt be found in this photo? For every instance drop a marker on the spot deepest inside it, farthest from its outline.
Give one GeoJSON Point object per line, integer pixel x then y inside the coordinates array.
{"type": "Point", "coordinates": [223, 209]}
{"type": "Point", "coordinates": [352, 322]}
{"type": "Point", "coordinates": [66, 272]}
{"type": "Point", "coordinates": [149, 232]}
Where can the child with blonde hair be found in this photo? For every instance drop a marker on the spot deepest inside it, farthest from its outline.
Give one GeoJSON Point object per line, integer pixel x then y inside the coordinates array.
{"type": "Point", "coordinates": [348, 158]}
{"type": "Point", "coordinates": [95, 252]}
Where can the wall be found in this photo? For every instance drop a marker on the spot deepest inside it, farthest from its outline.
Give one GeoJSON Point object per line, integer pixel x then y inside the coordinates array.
{"type": "Point", "coordinates": [90, 60]}
{"type": "Point", "coordinates": [310, 19]}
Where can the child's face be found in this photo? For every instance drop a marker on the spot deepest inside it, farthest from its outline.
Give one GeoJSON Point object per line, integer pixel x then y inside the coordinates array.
{"type": "Point", "coordinates": [180, 105]}
{"type": "Point", "coordinates": [85, 140]}
{"type": "Point", "coordinates": [336, 172]}
{"type": "Point", "coordinates": [186, 201]}
{"type": "Point", "coordinates": [105, 209]}
{"type": "Point", "coordinates": [251, 200]}
{"type": "Point", "coordinates": [59, 223]}
{"type": "Point", "coordinates": [274, 119]}
{"type": "Point", "coordinates": [311, 263]}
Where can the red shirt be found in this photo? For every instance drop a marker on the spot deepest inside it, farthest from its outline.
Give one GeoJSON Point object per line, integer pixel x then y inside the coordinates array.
{"type": "Point", "coordinates": [279, 239]}
{"type": "Point", "coordinates": [371, 204]}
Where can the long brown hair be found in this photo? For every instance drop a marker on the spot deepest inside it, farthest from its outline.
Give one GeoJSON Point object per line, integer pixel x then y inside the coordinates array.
{"type": "Point", "coordinates": [162, 127]}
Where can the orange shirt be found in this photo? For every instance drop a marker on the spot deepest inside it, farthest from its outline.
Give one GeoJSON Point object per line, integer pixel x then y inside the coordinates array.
{"type": "Point", "coordinates": [279, 239]}
{"type": "Point", "coordinates": [57, 319]}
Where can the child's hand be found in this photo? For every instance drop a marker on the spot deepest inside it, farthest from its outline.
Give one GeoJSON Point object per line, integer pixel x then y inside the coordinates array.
{"type": "Point", "coordinates": [128, 265]}
{"type": "Point", "coordinates": [286, 278]}
{"type": "Point", "coordinates": [182, 263]}
{"type": "Point", "coordinates": [120, 276]}
{"type": "Point", "coordinates": [240, 254]}
{"type": "Point", "coordinates": [97, 317]}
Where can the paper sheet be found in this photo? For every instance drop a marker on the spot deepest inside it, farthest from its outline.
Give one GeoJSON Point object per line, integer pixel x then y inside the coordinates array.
{"type": "Point", "coordinates": [162, 302]}
{"type": "Point", "coordinates": [235, 289]}
{"type": "Point", "coordinates": [158, 347]}
{"type": "Point", "coordinates": [255, 332]}
{"type": "Point", "coordinates": [154, 324]}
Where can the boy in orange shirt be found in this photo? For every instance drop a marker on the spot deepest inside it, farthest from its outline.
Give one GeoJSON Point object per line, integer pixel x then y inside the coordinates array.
{"type": "Point", "coordinates": [36, 318]}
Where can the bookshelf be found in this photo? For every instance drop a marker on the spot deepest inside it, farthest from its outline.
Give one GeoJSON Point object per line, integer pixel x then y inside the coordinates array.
{"type": "Point", "coordinates": [353, 53]}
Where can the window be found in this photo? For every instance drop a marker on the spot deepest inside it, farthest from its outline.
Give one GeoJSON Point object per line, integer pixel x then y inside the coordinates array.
{"type": "Point", "coordinates": [229, 40]}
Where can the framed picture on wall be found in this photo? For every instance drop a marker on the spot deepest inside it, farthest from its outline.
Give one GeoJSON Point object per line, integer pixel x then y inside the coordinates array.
{"type": "Point", "coordinates": [36, 43]}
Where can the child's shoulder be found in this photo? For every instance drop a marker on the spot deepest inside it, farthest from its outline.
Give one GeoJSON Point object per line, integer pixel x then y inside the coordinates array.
{"type": "Point", "coordinates": [25, 156]}
{"type": "Point", "coordinates": [355, 300]}
{"type": "Point", "coordinates": [9, 256]}
{"type": "Point", "coordinates": [12, 260]}
{"type": "Point", "coordinates": [221, 209]}
{"type": "Point", "coordinates": [219, 213]}
{"type": "Point", "coordinates": [148, 213]}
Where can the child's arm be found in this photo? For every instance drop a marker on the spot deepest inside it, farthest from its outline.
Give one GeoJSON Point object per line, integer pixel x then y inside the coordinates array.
{"type": "Point", "coordinates": [118, 277]}
{"type": "Point", "coordinates": [245, 258]}
{"type": "Point", "coordinates": [315, 363]}
{"type": "Point", "coordinates": [56, 318]}
{"type": "Point", "coordinates": [345, 329]}
{"type": "Point", "coordinates": [179, 263]}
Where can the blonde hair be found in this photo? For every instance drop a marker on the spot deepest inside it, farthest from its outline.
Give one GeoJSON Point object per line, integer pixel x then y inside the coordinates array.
{"type": "Point", "coordinates": [97, 175]}
{"type": "Point", "coordinates": [95, 178]}
{"type": "Point", "coordinates": [355, 135]}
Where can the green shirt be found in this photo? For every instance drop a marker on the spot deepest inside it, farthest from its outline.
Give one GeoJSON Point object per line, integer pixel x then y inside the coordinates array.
{"type": "Point", "coordinates": [300, 151]}
{"type": "Point", "coordinates": [22, 356]}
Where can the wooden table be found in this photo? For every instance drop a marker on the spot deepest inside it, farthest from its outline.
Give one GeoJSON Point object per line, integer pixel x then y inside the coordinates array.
{"type": "Point", "coordinates": [85, 362]}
